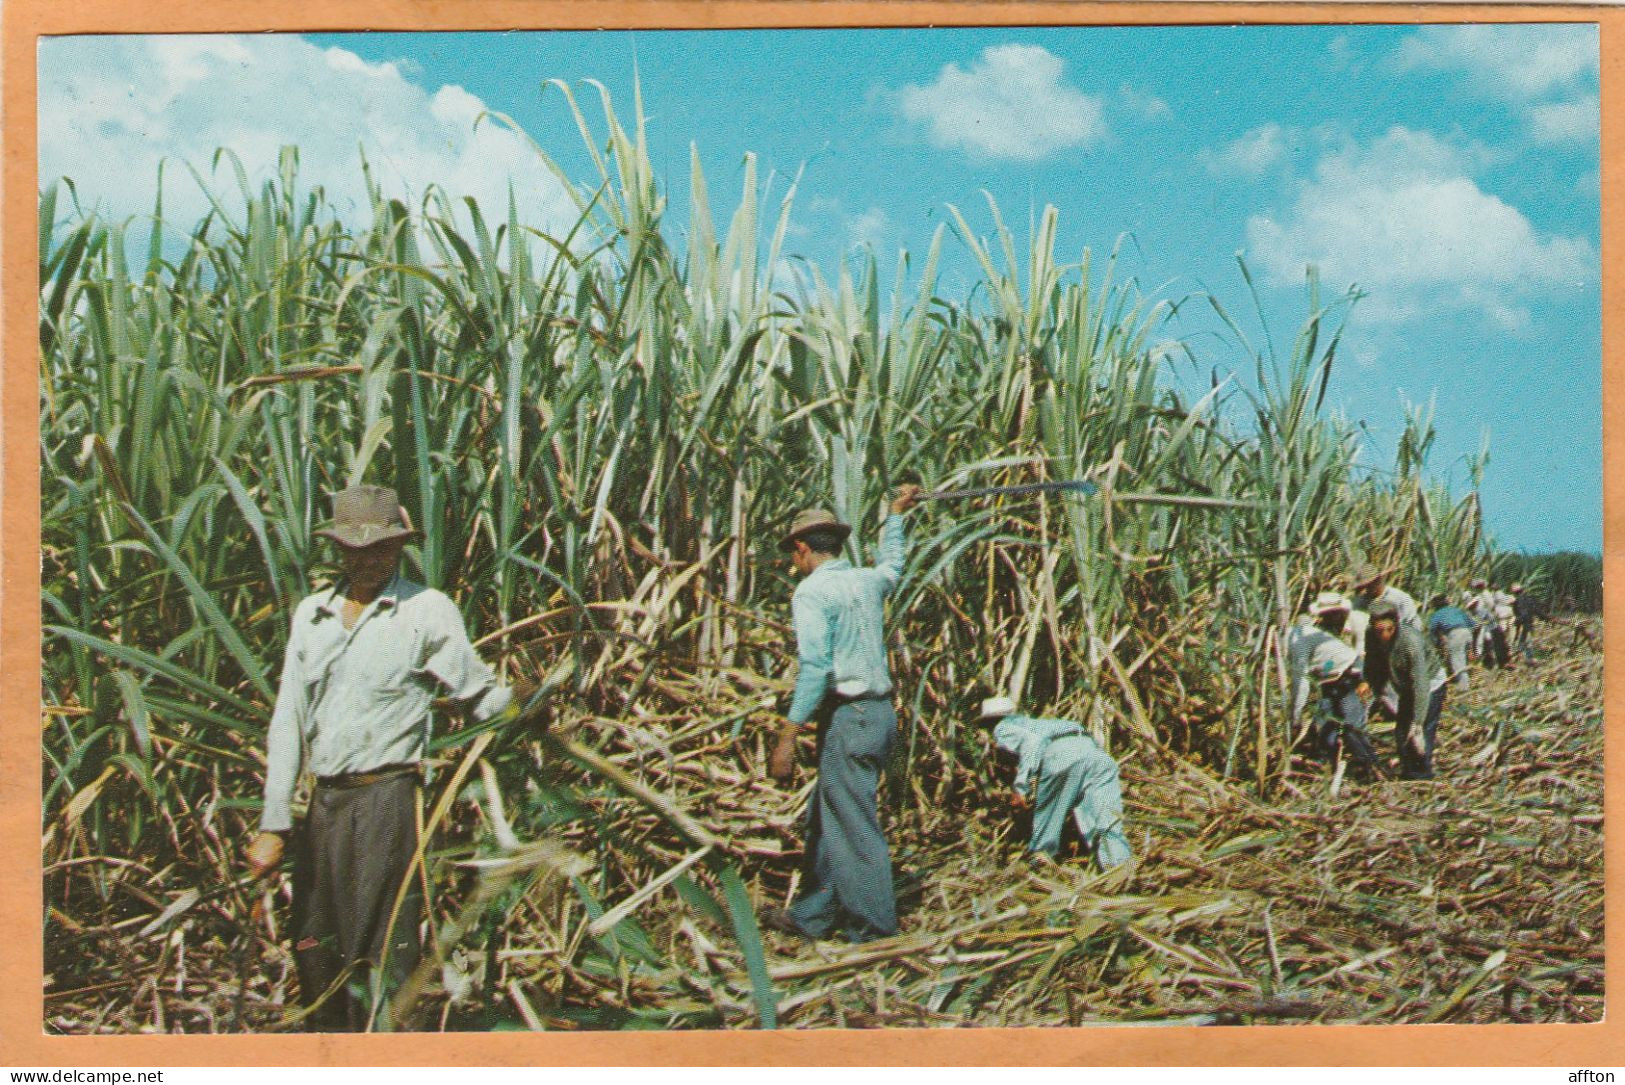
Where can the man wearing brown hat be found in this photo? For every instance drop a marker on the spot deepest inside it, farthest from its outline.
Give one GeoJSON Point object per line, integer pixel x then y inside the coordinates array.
{"type": "Point", "coordinates": [843, 686]}
{"type": "Point", "coordinates": [364, 661]}
{"type": "Point", "coordinates": [1371, 587]}
{"type": "Point", "coordinates": [1395, 652]}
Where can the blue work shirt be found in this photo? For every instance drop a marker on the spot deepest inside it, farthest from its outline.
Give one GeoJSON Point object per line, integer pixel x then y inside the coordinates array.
{"type": "Point", "coordinates": [1028, 737]}
{"type": "Point", "coordinates": [1445, 619]}
{"type": "Point", "coordinates": [840, 619]}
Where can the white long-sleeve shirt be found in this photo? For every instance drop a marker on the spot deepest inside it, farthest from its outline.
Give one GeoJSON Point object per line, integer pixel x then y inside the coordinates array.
{"type": "Point", "coordinates": [359, 697]}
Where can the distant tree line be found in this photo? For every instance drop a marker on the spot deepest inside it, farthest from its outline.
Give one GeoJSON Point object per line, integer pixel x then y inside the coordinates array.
{"type": "Point", "coordinates": [1567, 580]}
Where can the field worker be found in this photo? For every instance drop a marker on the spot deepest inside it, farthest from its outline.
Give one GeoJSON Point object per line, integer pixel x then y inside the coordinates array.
{"type": "Point", "coordinates": [1501, 606]}
{"type": "Point", "coordinates": [1060, 771]}
{"type": "Point", "coordinates": [364, 660]}
{"type": "Point", "coordinates": [1371, 587]}
{"type": "Point", "coordinates": [1526, 610]}
{"type": "Point", "coordinates": [1395, 651]}
{"type": "Point", "coordinates": [1476, 606]}
{"type": "Point", "coordinates": [844, 687]}
{"type": "Point", "coordinates": [1452, 631]}
{"type": "Point", "coordinates": [1323, 664]}
{"type": "Point", "coordinates": [1487, 608]}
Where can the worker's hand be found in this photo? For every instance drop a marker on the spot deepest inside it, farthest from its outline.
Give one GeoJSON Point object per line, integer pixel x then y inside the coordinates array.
{"type": "Point", "coordinates": [1019, 799]}
{"type": "Point", "coordinates": [523, 690]}
{"type": "Point", "coordinates": [1364, 691]}
{"type": "Point", "coordinates": [905, 497]}
{"type": "Point", "coordinates": [781, 763]}
{"type": "Point", "coordinates": [264, 853]}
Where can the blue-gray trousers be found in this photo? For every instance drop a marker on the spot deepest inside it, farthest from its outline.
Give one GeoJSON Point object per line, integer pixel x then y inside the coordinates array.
{"type": "Point", "coordinates": [1342, 723]}
{"type": "Point", "coordinates": [846, 880]}
{"type": "Point", "coordinates": [1078, 779]}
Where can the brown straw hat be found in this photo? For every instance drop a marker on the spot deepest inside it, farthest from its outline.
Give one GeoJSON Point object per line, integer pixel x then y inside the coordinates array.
{"type": "Point", "coordinates": [1386, 608]}
{"type": "Point", "coordinates": [367, 515]}
{"type": "Point", "coordinates": [1367, 573]}
{"type": "Point", "coordinates": [814, 520]}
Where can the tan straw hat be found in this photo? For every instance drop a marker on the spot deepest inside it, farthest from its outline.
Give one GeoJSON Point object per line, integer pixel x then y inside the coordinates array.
{"type": "Point", "coordinates": [814, 520]}
{"type": "Point", "coordinates": [1327, 602]}
{"type": "Point", "coordinates": [367, 515]}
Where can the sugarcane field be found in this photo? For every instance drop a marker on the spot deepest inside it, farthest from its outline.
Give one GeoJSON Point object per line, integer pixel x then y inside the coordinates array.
{"type": "Point", "coordinates": [455, 622]}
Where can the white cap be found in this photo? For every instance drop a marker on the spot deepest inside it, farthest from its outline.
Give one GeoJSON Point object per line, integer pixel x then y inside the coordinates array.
{"type": "Point", "coordinates": [995, 707]}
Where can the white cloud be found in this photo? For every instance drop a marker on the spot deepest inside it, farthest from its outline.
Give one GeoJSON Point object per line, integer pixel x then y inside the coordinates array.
{"type": "Point", "coordinates": [1011, 103]}
{"type": "Point", "coordinates": [1567, 122]}
{"type": "Point", "coordinates": [1403, 219]}
{"type": "Point", "coordinates": [111, 108]}
{"type": "Point", "coordinates": [1143, 103]}
{"type": "Point", "coordinates": [1507, 61]}
{"type": "Point", "coordinates": [1549, 71]}
{"type": "Point", "coordinates": [830, 217]}
{"type": "Point", "coordinates": [869, 228]}
{"type": "Point", "coordinates": [1340, 52]}
{"type": "Point", "coordinates": [1252, 154]}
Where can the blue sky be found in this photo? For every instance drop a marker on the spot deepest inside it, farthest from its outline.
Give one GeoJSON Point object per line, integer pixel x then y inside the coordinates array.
{"type": "Point", "coordinates": [1452, 172]}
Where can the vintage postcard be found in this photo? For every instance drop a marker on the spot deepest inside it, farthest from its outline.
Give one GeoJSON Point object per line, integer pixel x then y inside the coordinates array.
{"type": "Point", "coordinates": [646, 536]}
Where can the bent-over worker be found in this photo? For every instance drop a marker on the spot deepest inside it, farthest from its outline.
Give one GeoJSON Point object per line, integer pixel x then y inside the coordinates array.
{"type": "Point", "coordinates": [1322, 663]}
{"type": "Point", "coordinates": [1396, 651]}
{"type": "Point", "coordinates": [1452, 631]}
{"type": "Point", "coordinates": [1061, 772]}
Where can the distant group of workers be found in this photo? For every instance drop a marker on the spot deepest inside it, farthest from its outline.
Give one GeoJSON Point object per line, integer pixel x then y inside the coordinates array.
{"type": "Point", "coordinates": [1373, 652]}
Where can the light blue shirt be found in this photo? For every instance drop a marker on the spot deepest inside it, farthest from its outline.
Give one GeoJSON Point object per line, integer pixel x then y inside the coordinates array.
{"type": "Point", "coordinates": [359, 698]}
{"type": "Point", "coordinates": [1028, 738]}
{"type": "Point", "coordinates": [840, 618]}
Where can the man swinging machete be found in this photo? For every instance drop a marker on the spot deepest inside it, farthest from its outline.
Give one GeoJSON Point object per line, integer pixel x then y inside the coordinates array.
{"type": "Point", "coordinates": [843, 688]}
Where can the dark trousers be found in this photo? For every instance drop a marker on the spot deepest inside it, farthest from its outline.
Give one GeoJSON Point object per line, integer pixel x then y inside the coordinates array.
{"type": "Point", "coordinates": [1526, 640]}
{"type": "Point", "coordinates": [846, 876]}
{"type": "Point", "coordinates": [354, 851]}
{"type": "Point", "coordinates": [1496, 654]}
{"type": "Point", "coordinates": [1342, 725]}
{"type": "Point", "coordinates": [1414, 766]}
